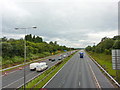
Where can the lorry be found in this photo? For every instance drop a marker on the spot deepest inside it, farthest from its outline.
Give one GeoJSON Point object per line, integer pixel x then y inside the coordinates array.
{"type": "Point", "coordinates": [33, 66]}
{"type": "Point", "coordinates": [41, 66]}
{"type": "Point", "coordinates": [81, 54]}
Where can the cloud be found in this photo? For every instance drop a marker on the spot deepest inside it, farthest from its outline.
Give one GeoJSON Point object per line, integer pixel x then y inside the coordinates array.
{"type": "Point", "coordinates": [75, 23]}
{"type": "Point", "coordinates": [15, 36]}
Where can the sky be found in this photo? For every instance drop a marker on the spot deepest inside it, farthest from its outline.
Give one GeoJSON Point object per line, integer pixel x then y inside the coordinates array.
{"type": "Point", "coordinates": [74, 23]}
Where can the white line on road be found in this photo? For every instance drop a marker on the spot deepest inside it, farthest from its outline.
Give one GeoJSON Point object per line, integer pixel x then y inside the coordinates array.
{"type": "Point", "coordinates": [55, 75]}
{"type": "Point", "coordinates": [79, 83]}
{"type": "Point", "coordinates": [16, 81]}
{"type": "Point", "coordinates": [22, 78]}
{"type": "Point", "coordinates": [97, 83]}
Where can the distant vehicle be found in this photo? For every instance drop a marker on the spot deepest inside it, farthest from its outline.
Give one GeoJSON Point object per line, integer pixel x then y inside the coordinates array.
{"type": "Point", "coordinates": [52, 59]}
{"type": "Point", "coordinates": [60, 58]}
{"type": "Point", "coordinates": [64, 56]}
{"type": "Point", "coordinates": [33, 66]}
{"type": "Point", "coordinates": [81, 54]}
{"type": "Point", "coordinates": [41, 66]}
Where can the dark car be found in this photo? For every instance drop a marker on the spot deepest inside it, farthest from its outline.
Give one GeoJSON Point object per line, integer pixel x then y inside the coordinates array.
{"type": "Point", "coordinates": [52, 59]}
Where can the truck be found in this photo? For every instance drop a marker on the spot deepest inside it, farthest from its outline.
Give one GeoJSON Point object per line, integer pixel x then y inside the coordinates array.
{"type": "Point", "coordinates": [33, 66]}
{"type": "Point", "coordinates": [41, 66]}
{"type": "Point", "coordinates": [81, 54]}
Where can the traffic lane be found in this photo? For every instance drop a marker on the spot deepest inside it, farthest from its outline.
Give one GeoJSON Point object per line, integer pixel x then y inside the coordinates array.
{"type": "Point", "coordinates": [72, 80]}
{"type": "Point", "coordinates": [18, 74]}
{"type": "Point", "coordinates": [72, 76]}
{"type": "Point", "coordinates": [13, 77]}
{"type": "Point", "coordinates": [86, 76]}
{"type": "Point", "coordinates": [103, 81]}
{"type": "Point", "coordinates": [28, 77]}
{"type": "Point", "coordinates": [59, 82]}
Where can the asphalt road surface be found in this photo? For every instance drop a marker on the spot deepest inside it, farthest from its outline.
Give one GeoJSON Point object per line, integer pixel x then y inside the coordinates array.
{"type": "Point", "coordinates": [79, 73]}
{"type": "Point", "coordinates": [16, 78]}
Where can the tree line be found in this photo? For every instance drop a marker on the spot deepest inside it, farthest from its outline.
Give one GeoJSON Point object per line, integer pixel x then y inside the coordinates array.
{"type": "Point", "coordinates": [13, 49]}
{"type": "Point", "coordinates": [106, 45]}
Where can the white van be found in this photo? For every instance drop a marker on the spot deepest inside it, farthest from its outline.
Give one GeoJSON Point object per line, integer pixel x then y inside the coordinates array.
{"type": "Point", "coordinates": [33, 66]}
{"type": "Point", "coordinates": [42, 66]}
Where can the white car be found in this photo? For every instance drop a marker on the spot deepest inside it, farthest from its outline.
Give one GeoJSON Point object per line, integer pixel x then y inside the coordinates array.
{"type": "Point", "coordinates": [42, 66]}
{"type": "Point", "coordinates": [33, 66]}
{"type": "Point", "coordinates": [60, 58]}
{"type": "Point", "coordinates": [64, 56]}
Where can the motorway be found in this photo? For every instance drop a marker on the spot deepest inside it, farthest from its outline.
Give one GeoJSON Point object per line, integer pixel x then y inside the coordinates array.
{"type": "Point", "coordinates": [16, 78]}
{"type": "Point", "coordinates": [79, 73]}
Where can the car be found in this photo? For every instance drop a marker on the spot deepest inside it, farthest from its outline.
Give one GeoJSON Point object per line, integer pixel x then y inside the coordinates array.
{"type": "Point", "coordinates": [33, 66]}
{"type": "Point", "coordinates": [64, 56]}
{"type": "Point", "coordinates": [41, 66]}
{"type": "Point", "coordinates": [52, 59]}
{"type": "Point", "coordinates": [60, 58]}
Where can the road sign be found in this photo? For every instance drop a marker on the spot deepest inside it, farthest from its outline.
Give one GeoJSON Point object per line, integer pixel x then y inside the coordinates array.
{"type": "Point", "coordinates": [116, 59]}
{"type": "Point", "coordinates": [65, 50]}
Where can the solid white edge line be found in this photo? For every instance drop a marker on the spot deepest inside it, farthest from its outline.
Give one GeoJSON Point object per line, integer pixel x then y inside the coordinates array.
{"type": "Point", "coordinates": [98, 85]}
{"type": "Point", "coordinates": [55, 74]}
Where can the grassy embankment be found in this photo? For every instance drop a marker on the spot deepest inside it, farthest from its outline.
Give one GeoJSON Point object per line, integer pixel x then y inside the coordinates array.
{"type": "Point", "coordinates": [9, 62]}
{"type": "Point", "coordinates": [50, 72]}
{"type": "Point", "coordinates": [106, 62]}
{"type": "Point", "coordinates": [31, 61]}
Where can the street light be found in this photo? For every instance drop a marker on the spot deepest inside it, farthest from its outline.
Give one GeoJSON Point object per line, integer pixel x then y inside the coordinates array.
{"type": "Point", "coordinates": [25, 49]}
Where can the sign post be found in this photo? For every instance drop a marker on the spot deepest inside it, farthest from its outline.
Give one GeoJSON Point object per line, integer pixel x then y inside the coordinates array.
{"type": "Point", "coordinates": [116, 60]}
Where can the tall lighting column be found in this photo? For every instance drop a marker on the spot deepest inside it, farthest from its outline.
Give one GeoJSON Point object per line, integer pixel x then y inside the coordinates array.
{"type": "Point", "coordinates": [25, 51]}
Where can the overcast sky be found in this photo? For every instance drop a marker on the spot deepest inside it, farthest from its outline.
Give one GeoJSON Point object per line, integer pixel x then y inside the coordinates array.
{"type": "Point", "coordinates": [75, 23]}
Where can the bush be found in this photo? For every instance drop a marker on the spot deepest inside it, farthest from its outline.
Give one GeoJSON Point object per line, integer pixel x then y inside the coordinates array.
{"type": "Point", "coordinates": [107, 51]}
{"type": "Point", "coordinates": [46, 53]}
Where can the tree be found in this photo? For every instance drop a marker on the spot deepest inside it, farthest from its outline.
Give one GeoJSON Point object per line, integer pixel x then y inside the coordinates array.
{"type": "Point", "coordinates": [6, 49]}
{"type": "Point", "coordinates": [28, 38]}
{"type": "Point", "coordinates": [103, 39]}
{"type": "Point", "coordinates": [4, 39]}
{"type": "Point", "coordinates": [88, 48]}
{"type": "Point", "coordinates": [38, 39]}
{"type": "Point", "coordinates": [116, 37]}
{"type": "Point", "coordinates": [116, 44]}
{"type": "Point", "coordinates": [51, 43]}
{"type": "Point", "coordinates": [55, 42]}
